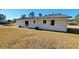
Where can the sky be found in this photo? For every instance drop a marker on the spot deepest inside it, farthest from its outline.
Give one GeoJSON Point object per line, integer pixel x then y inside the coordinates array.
{"type": "Point", "coordinates": [16, 13]}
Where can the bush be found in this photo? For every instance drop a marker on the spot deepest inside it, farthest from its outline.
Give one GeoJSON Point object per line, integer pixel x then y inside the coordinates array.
{"type": "Point", "coordinates": [20, 26]}
{"type": "Point", "coordinates": [36, 28]}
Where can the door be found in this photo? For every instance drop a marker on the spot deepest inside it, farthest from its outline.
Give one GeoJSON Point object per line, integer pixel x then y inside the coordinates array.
{"type": "Point", "coordinates": [26, 23]}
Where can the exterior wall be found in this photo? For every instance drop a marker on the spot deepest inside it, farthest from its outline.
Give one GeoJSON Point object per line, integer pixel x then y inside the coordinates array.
{"type": "Point", "coordinates": [32, 24]}
{"type": "Point", "coordinates": [20, 23]}
{"type": "Point", "coordinates": [60, 24]}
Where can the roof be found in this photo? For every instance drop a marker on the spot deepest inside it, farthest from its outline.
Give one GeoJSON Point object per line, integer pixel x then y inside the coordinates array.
{"type": "Point", "coordinates": [49, 16]}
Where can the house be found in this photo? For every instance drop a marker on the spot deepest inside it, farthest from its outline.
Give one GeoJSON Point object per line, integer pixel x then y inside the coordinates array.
{"type": "Point", "coordinates": [56, 22]}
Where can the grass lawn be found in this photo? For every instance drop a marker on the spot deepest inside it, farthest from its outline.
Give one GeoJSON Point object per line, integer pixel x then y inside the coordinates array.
{"type": "Point", "coordinates": [11, 37]}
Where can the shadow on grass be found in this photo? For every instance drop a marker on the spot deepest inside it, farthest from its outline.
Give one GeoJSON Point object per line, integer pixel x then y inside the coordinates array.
{"type": "Point", "coordinates": [46, 30]}
{"type": "Point", "coordinates": [69, 30]}
{"type": "Point", "coordinates": [73, 30]}
{"type": "Point", "coordinates": [6, 24]}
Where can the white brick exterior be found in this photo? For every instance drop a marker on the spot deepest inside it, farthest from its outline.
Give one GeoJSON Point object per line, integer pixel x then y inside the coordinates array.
{"type": "Point", "coordinates": [60, 24]}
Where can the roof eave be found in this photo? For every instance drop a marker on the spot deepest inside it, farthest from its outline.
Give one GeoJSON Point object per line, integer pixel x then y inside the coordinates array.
{"type": "Point", "coordinates": [46, 17]}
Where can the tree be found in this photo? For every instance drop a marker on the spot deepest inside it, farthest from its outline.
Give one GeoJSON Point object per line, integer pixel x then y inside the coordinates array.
{"type": "Point", "coordinates": [9, 21]}
{"type": "Point", "coordinates": [23, 16]}
{"type": "Point", "coordinates": [46, 15]}
{"type": "Point", "coordinates": [2, 17]}
{"type": "Point", "coordinates": [40, 14]}
{"type": "Point", "coordinates": [71, 20]}
{"type": "Point", "coordinates": [77, 18]}
{"type": "Point", "coordinates": [32, 14]}
{"type": "Point", "coordinates": [14, 21]}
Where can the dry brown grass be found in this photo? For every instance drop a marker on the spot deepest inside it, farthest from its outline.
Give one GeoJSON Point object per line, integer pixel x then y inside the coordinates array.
{"type": "Point", "coordinates": [10, 37]}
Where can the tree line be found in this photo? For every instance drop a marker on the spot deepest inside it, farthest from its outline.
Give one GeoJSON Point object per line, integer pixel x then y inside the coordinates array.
{"type": "Point", "coordinates": [3, 17]}
{"type": "Point", "coordinates": [32, 14]}
{"type": "Point", "coordinates": [75, 19]}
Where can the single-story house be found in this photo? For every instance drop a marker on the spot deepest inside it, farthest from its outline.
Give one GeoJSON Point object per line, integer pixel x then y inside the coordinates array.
{"type": "Point", "coordinates": [56, 22]}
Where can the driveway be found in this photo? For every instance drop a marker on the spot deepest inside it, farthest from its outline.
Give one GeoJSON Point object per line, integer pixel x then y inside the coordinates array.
{"type": "Point", "coordinates": [73, 26]}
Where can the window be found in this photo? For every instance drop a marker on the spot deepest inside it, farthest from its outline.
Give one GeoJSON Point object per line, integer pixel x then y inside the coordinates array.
{"type": "Point", "coordinates": [44, 21]}
{"type": "Point", "coordinates": [26, 23]}
{"type": "Point", "coordinates": [52, 22]}
{"type": "Point", "coordinates": [34, 21]}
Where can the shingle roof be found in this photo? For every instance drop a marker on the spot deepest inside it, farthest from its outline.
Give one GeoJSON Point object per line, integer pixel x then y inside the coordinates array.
{"type": "Point", "coordinates": [50, 16]}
